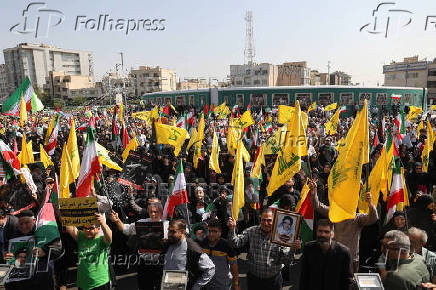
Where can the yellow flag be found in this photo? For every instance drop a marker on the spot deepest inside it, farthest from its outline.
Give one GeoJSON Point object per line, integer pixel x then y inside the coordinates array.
{"type": "Point", "coordinates": [193, 138]}
{"type": "Point", "coordinates": [199, 141]}
{"type": "Point", "coordinates": [30, 152]}
{"type": "Point", "coordinates": [103, 157]}
{"type": "Point", "coordinates": [418, 130]}
{"type": "Point", "coordinates": [331, 127]}
{"type": "Point", "coordinates": [433, 108]}
{"type": "Point", "coordinates": [120, 112]}
{"type": "Point", "coordinates": [200, 131]}
{"type": "Point", "coordinates": [330, 107]}
{"type": "Point", "coordinates": [49, 130]}
{"type": "Point", "coordinates": [276, 141]}
{"type": "Point", "coordinates": [3, 130]}
{"type": "Point", "coordinates": [171, 135]}
{"type": "Point", "coordinates": [377, 182]}
{"type": "Point", "coordinates": [256, 171]}
{"type": "Point", "coordinates": [66, 177]}
{"type": "Point", "coordinates": [213, 161]}
{"type": "Point", "coordinates": [73, 151]}
{"type": "Point", "coordinates": [340, 144]}
{"type": "Point", "coordinates": [147, 116]}
{"type": "Point", "coordinates": [312, 107]}
{"type": "Point", "coordinates": [230, 138]}
{"type": "Point", "coordinates": [244, 121]}
{"type": "Point", "coordinates": [401, 205]}
{"type": "Point", "coordinates": [285, 115]}
{"type": "Point", "coordinates": [133, 145]}
{"type": "Point", "coordinates": [344, 178]}
{"type": "Point", "coordinates": [43, 157]}
{"type": "Point", "coordinates": [221, 111]}
{"type": "Point", "coordinates": [24, 154]}
{"type": "Point", "coordinates": [414, 113]}
{"type": "Point", "coordinates": [425, 155]}
{"type": "Point", "coordinates": [23, 112]}
{"type": "Point", "coordinates": [289, 157]}
{"type": "Point", "coordinates": [155, 113]}
{"type": "Point", "coordinates": [238, 195]}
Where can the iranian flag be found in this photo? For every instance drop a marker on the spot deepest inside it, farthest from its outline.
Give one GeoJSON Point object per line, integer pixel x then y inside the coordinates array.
{"type": "Point", "coordinates": [10, 161]}
{"type": "Point", "coordinates": [396, 194]}
{"type": "Point", "coordinates": [305, 208]}
{"type": "Point", "coordinates": [343, 109]}
{"type": "Point", "coordinates": [46, 227]}
{"type": "Point", "coordinates": [90, 164]}
{"type": "Point", "coordinates": [181, 122]}
{"type": "Point", "coordinates": [12, 105]}
{"type": "Point", "coordinates": [178, 192]}
{"type": "Point", "coordinates": [396, 97]}
{"type": "Point", "coordinates": [268, 127]}
{"type": "Point", "coordinates": [51, 145]}
{"type": "Point", "coordinates": [399, 124]}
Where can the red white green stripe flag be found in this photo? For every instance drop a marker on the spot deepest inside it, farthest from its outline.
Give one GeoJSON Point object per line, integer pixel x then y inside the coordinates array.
{"type": "Point", "coordinates": [396, 194]}
{"type": "Point", "coordinates": [178, 192]}
{"type": "Point", "coordinates": [305, 208]}
{"type": "Point", "coordinates": [90, 164]}
{"type": "Point", "coordinates": [50, 148]}
{"type": "Point", "coordinates": [46, 227]}
{"type": "Point", "coordinates": [12, 105]}
{"type": "Point", "coordinates": [11, 163]}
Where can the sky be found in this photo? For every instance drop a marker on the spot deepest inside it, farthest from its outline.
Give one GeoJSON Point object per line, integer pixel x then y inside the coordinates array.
{"type": "Point", "coordinates": [201, 38]}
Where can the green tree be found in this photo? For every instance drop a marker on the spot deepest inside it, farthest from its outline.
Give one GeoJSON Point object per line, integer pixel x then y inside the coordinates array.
{"type": "Point", "coordinates": [78, 101]}
{"type": "Point", "coordinates": [59, 103]}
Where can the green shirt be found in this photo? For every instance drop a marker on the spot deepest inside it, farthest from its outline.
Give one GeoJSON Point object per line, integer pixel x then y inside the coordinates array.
{"type": "Point", "coordinates": [93, 269]}
{"type": "Point", "coordinates": [411, 272]}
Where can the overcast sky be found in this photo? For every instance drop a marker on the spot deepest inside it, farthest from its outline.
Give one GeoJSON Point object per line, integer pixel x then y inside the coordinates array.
{"type": "Point", "coordinates": [202, 38]}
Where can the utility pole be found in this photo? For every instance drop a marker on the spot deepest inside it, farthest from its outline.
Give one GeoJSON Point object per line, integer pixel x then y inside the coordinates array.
{"type": "Point", "coordinates": [328, 73]}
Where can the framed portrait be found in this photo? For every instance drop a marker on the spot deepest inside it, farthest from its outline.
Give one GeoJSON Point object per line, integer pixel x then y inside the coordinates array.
{"type": "Point", "coordinates": [286, 227]}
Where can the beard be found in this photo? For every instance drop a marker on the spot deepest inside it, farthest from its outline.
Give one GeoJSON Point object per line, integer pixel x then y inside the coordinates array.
{"type": "Point", "coordinates": [323, 241]}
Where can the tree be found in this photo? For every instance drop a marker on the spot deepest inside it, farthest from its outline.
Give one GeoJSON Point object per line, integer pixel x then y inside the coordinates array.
{"type": "Point", "coordinates": [59, 103]}
{"type": "Point", "coordinates": [78, 101]}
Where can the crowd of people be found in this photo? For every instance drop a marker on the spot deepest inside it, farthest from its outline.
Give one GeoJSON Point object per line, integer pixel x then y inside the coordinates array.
{"type": "Point", "coordinates": [202, 236]}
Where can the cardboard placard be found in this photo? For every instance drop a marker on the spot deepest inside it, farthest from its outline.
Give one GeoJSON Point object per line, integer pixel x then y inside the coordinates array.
{"type": "Point", "coordinates": [150, 235]}
{"type": "Point", "coordinates": [78, 211]}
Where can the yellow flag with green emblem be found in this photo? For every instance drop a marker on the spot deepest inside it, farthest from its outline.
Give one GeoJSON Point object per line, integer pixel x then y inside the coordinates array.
{"type": "Point", "coordinates": [331, 127]}
{"type": "Point", "coordinates": [238, 176]}
{"type": "Point", "coordinates": [425, 155]}
{"type": "Point", "coordinates": [73, 151]}
{"type": "Point", "coordinates": [289, 156]}
{"type": "Point", "coordinates": [330, 107]}
{"type": "Point", "coordinates": [344, 178]}
{"type": "Point", "coordinates": [213, 161]}
{"type": "Point", "coordinates": [171, 135]}
{"type": "Point", "coordinates": [43, 157]}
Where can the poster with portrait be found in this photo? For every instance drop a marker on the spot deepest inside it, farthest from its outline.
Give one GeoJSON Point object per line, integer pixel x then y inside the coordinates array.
{"type": "Point", "coordinates": [150, 235]}
{"type": "Point", "coordinates": [286, 227]}
{"type": "Point", "coordinates": [23, 260]}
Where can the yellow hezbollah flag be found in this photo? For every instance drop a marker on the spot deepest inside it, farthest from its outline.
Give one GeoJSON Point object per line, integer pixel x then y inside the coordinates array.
{"type": "Point", "coordinates": [43, 157]}
{"type": "Point", "coordinates": [103, 157]}
{"type": "Point", "coordinates": [256, 171]}
{"type": "Point", "coordinates": [23, 112]}
{"type": "Point", "coordinates": [312, 107]}
{"type": "Point", "coordinates": [171, 135]}
{"type": "Point", "coordinates": [213, 161]}
{"type": "Point", "coordinates": [200, 137]}
{"type": "Point", "coordinates": [49, 130]}
{"type": "Point", "coordinates": [285, 115]}
{"type": "Point", "coordinates": [414, 112]}
{"type": "Point", "coordinates": [193, 138]}
{"type": "Point", "coordinates": [147, 116]}
{"type": "Point", "coordinates": [66, 177]}
{"type": "Point", "coordinates": [30, 152]}
{"type": "Point", "coordinates": [289, 158]}
{"type": "Point", "coordinates": [330, 107]}
{"type": "Point", "coordinates": [427, 148]}
{"type": "Point", "coordinates": [221, 111]}
{"type": "Point", "coordinates": [344, 178]}
{"type": "Point", "coordinates": [133, 145]}
{"type": "Point", "coordinates": [238, 195]}
{"type": "Point", "coordinates": [433, 108]}
{"type": "Point", "coordinates": [331, 127]}
{"type": "Point", "coordinates": [418, 130]}
{"type": "Point", "coordinates": [24, 154]}
{"type": "Point", "coordinates": [73, 151]}
{"type": "Point", "coordinates": [244, 121]}
{"type": "Point", "coordinates": [377, 181]}
{"type": "Point", "coordinates": [276, 141]}
{"type": "Point", "coordinates": [200, 131]}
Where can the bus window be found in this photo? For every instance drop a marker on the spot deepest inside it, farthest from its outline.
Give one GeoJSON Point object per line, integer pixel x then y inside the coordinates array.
{"type": "Point", "coordinates": [280, 99]}
{"type": "Point", "coordinates": [346, 99]}
{"type": "Point", "coordinates": [381, 99]}
{"type": "Point", "coordinates": [325, 98]}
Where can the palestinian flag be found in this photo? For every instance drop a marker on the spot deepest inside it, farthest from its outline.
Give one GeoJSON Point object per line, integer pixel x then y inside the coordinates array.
{"type": "Point", "coordinates": [46, 226]}
{"type": "Point", "coordinates": [12, 105]}
{"type": "Point", "coordinates": [53, 138]}
{"type": "Point", "coordinates": [396, 194]}
{"type": "Point", "coordinates": [90, 164]}
{"type": "Point", "coordinates": [178, 192]}
{"type": "Point", "coordinates": [9, 160]}
{"type": "Point", "coordinates": [305, 208]}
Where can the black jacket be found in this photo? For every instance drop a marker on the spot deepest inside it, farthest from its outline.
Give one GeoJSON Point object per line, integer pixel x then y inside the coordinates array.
{"type": "Point", "coordinates": [332, 271]}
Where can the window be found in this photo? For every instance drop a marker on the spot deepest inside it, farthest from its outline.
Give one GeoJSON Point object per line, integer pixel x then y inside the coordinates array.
{"type": "Point", "coordinates": [408, 99]}
{"type": "Point", "coordinates": [247, 72]}
{"type": "Point", "coordinates": [159, 101]}
{"type": "Point", "coordinates": [363, 97]}
{"type": "Point", "coordinates": [226, 99]}
{"type": "Point", "coordinates": [264, 82]}
{"type": "Point", "coordinates": [240, 100]}
{"type": "Point", "coordinates": [239, 83]}
{"type": "Point", "coordinates": [168, 100]}
{"type": "Point", "coordinates": [325, 98]}
{"type": "Point", "coordinates": [395, 101]}
{"type": "Point", "coordinates": [431, 84]}
{"type": "Point", "coordinates": [202, 99]}
{"type": "Point", "coordinates": [432, 72]}
{"type": "Point", "coordinates": [346, 99]}
{"type": "Point", "coordinates": [413, 75]}
{"type": "Point", "coordinates": [280, 99]}
{"type": "Point", "coordinates": [191, 100]}
{"type": "Point", "coordinates": [258, 100]}
{"type": "Point", "coordinates": [381, 99]}
{"type": "Point", "coordinates": [256, 82]}
{"type": "Point", "coordinates": [180, 100]}
{"type": "Point", "coordinates": [304, 98]}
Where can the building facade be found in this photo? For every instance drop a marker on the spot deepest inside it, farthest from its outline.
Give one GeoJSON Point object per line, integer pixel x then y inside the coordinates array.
{"type": "Point", "coordinates": [293, 74]}
{"type": "Point", "coordinates": [37, 60]}
{"type": "Point", "coordinates": [157, 79]}
{"type": "Point", "coordinates": [431, 82]}
{"type": "Point", "coordinates": [192, 84]}
{"type": "Point", "coordinates": [339, 78]}
{"type": "Point", "coordinates": [253, 75]}
{"type": "Point", "coordinates": [411, 72]}
{"type": "Point", "coordinates": [5, 89]}
{"type": "Point", "coordinates": [60, 85]}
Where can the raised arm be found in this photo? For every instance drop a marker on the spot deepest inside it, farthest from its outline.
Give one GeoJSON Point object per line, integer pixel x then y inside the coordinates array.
{"type": "Point", "coordinates": [106, 230]}
{"type": "Point", "coordinates": [317, 205]}
{"type": "Point", "coordinates": [237, 241]}
{"type": "Point", "coordinates": [74, 233]}
{"type": "Point", "coordinates": [371, 217]}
